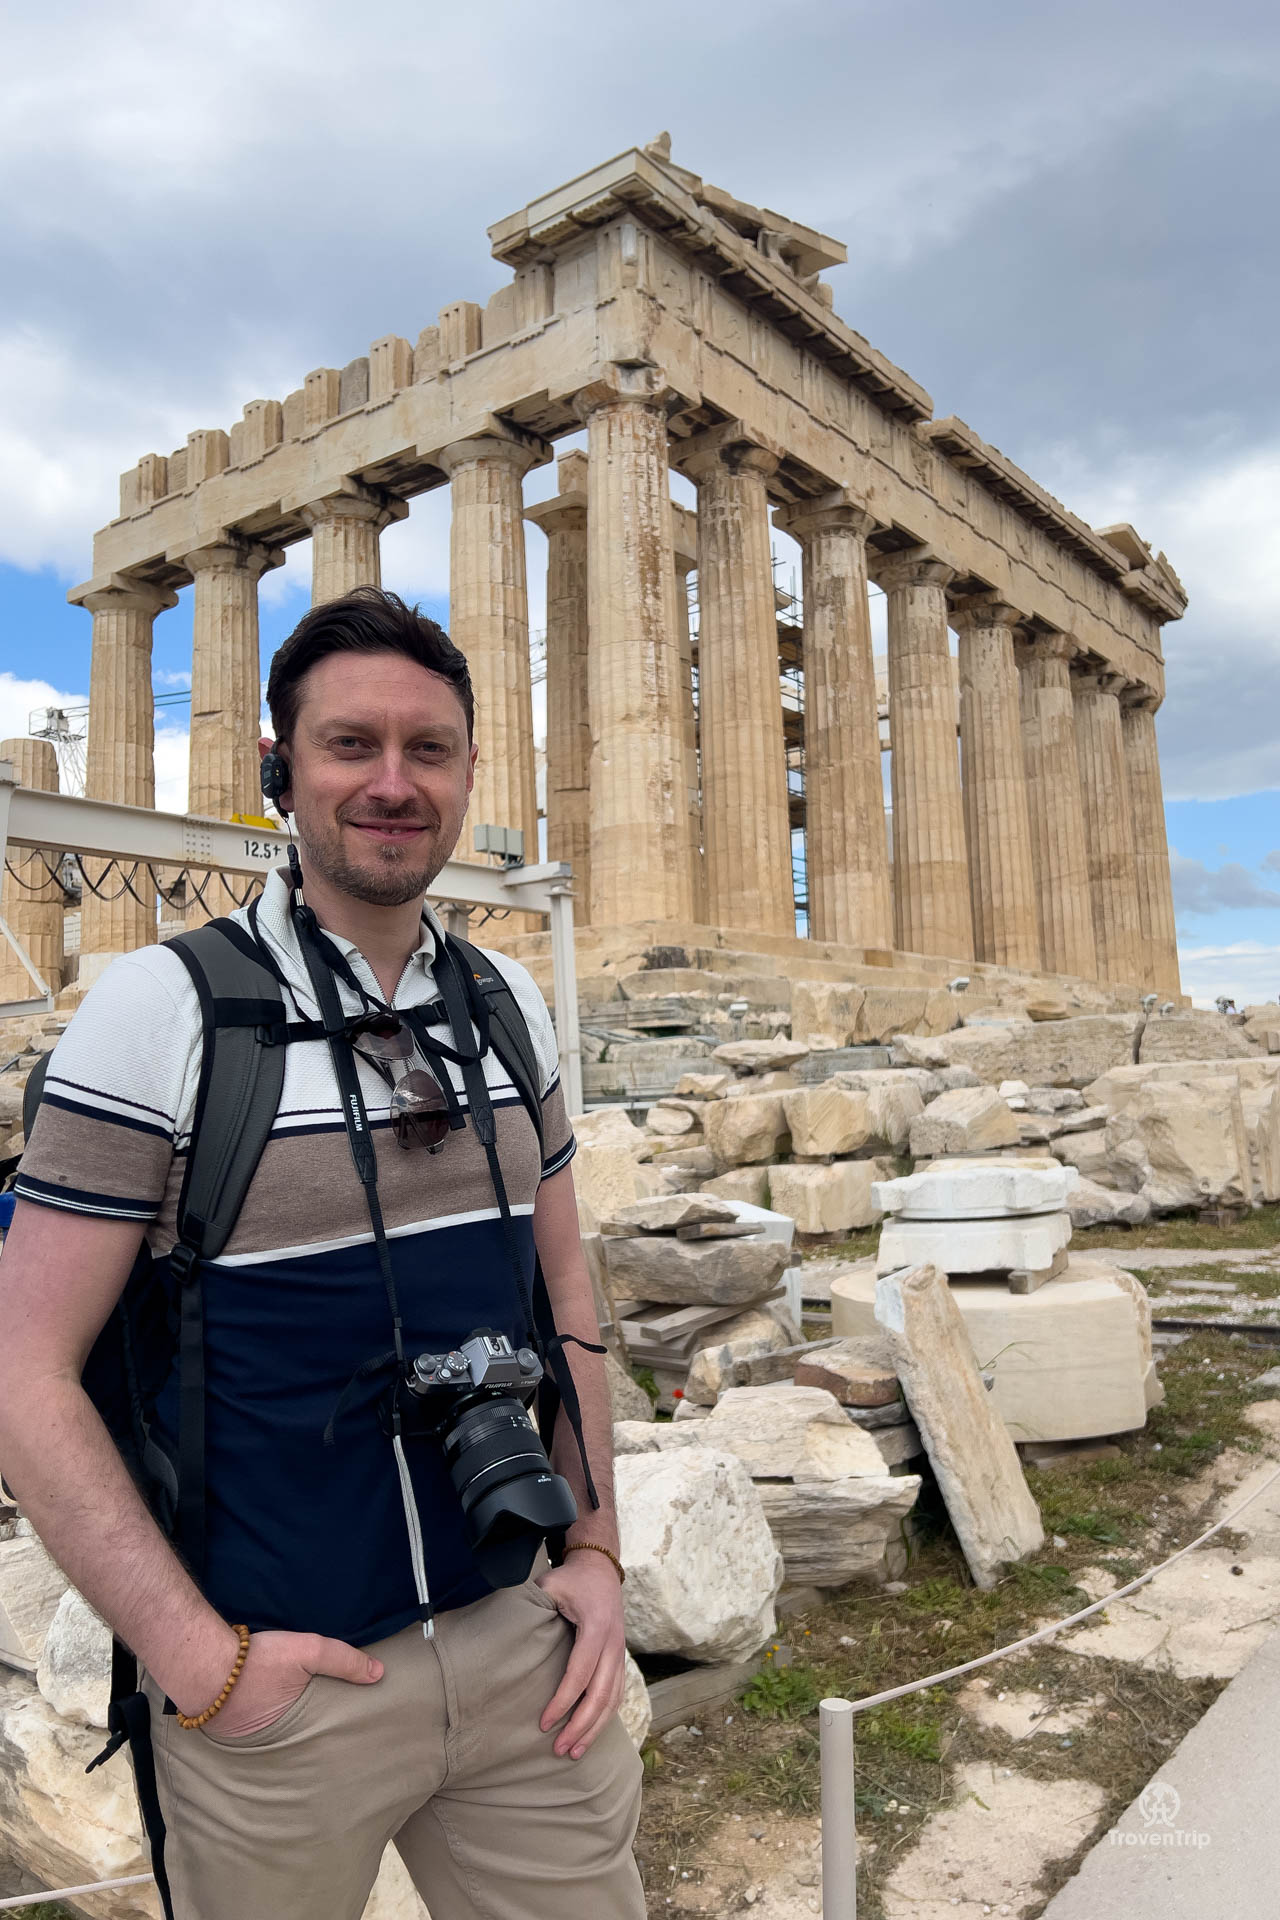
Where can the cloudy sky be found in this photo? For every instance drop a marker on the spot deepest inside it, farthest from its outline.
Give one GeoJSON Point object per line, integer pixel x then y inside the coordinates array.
{"type": "Point", "coordinates": [1061, 221]}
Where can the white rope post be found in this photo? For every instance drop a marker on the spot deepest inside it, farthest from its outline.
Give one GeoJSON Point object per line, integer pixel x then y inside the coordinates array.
{"type": "Point", "coordinates": [839, 1835]}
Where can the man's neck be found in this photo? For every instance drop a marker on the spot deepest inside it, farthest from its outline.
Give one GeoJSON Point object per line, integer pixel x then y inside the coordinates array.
{"type": "Point", "coordinates": [386, 936]}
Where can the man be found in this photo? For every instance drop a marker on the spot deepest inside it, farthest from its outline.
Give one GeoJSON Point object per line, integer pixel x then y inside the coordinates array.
{"type": "Point", "coordinates": [491, 1753]}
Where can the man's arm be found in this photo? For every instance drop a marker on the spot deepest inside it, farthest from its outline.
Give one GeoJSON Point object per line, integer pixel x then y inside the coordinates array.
{"type": "Point", "coordinates": [61, 1273]}
{"type": "Point", "coordinates": [586, 1587]}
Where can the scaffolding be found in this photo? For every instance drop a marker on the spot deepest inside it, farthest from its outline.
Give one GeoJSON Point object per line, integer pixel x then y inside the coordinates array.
{"type": "Point", "coordinates": [137, 841]}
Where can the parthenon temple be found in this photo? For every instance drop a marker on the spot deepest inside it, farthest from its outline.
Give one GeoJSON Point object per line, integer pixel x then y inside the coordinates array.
{"type": "Point", "coordinates": [684, 329]}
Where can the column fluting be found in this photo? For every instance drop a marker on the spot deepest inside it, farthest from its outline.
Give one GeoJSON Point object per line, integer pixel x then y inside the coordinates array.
{"type": "Point", "coordinates": [226, 700]}
{"type": "Point", "coordinates": [120, 762]}
{"type": "Point", "coordinates": [641, 857]}
{"type": "Point", "coordinates": [746, 825]}
{"type": "Point", "coordinates": [345, 533]}
{"type": "Point", "coordinates": [846, 846]}
{"type": "Point", "coordinates": [564, 521]}
{"type": "Point", "coordinates": [31, 898]}
{"type": "Point", "coordinates": [1157, 930]}
{"type": "Point", "coordinates": [1104, 791]}
{"type": "Point", "coordinates": [1058, 851]}
{"type": "Point", "coordinates": [1001, 880]}
{"type": "Point", "coordinates": [932, 910]}
{"type": "Point", "coordinates": [489, 621]}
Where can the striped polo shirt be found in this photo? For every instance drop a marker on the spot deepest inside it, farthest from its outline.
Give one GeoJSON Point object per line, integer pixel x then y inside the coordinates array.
{"type": "Point", "coordinates": [300, 1535]}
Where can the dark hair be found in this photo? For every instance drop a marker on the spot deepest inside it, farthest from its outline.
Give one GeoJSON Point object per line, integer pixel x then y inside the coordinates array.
{"type": "Point", "coordinates": [366, 620]}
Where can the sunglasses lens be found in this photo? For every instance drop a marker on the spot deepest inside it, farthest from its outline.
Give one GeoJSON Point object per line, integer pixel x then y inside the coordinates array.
{"type": "Point", "coordinates": [418, 1109]}
{"type": "Point", "coordinates": [383, 1038]}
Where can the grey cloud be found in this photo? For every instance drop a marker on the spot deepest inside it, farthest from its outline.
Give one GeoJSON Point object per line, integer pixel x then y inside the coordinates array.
{"type": "Point", "coordinates": [1271, 862]}
{"type": "Point", "coordinates": [1052, 216]}
{"type": "Point", "coordinates": [1201, 889]}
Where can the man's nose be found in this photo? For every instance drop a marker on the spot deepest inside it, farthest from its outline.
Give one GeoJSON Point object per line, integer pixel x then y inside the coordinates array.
{"type": "Point", "coordinates": [391, 780]}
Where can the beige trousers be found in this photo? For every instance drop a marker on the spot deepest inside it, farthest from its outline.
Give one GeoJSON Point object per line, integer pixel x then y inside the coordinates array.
{"type": "Point", "coordinates": [443, 1756]}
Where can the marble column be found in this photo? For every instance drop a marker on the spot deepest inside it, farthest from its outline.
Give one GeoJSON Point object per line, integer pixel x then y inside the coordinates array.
{"type": "Point", "coordinates": [345, 529]}
{"type": "Point", "coordinates": [684, 540]}
{"type": "Point", "coordinates": [1108, 821]}
{"type": "Point", "coordinates": [1159, 948]}
{"type": "Point", "coordinates": [1001, 879]}
{"type": "Point", "coordinates": [932, 911]}
{"type": "Point", "coordinates": [120, 764]}
{"type": "Point", "coordinates": [226, 697]}
{"type": "Point", "coordinates": [641, 857]}
{"type": "Point", "coordinates": [489, 620]}
{"type": "Point", "coordinates": [31, 899]}
{"type": "Point", "coordinates": [746, 827]}
{"type": "Point", "coordinates": [846, 846]}
{"type": "Point", "coordinates": [564, 521]}
{"type": "Point", "coordinates": [1058, 850]}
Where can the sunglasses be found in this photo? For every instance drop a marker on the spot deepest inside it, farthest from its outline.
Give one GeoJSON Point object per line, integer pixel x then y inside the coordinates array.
{"type": "Point", "coordinates": [419, 1110]}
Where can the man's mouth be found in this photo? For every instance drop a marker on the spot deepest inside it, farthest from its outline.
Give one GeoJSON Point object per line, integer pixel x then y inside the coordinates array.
{"type": "Point", "coordinates": [390, 832]}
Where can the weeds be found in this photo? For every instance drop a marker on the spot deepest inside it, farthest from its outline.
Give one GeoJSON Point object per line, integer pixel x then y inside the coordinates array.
{"type": "Point", "coordinates": [781, 1693]}
{"type": "Point", "coordinates": [1260, 1227]}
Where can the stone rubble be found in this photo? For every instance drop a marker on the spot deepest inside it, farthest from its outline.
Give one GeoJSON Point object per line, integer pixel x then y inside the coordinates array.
{"type": "Point", "coordinates": [977, 1468]}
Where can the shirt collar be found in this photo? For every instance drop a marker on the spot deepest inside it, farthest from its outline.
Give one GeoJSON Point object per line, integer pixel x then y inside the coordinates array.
{"type": "Point", "coordinates": [417, 983]}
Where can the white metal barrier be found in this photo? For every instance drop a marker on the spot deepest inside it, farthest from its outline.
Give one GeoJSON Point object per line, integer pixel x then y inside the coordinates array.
{"type": "Point", "coordinates": [32, 818]}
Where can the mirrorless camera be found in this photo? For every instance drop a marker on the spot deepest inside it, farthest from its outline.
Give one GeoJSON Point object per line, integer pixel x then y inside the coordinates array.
{"type": "Point", "coordinates": [475, 1401]}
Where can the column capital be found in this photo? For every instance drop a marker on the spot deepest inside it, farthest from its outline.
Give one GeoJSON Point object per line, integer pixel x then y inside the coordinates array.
{"type": "Point", "coordinates": [625, 386]}
{"type": "Point", "coordinates": [496, 441]}
{"type": "Point", "coordinates": [230, 552]}
{"type": "Point", "coordinates": [826, 513]}
{"type": "Point", "coordinates": [1046, 646]}
{"type": "Point", "coordinates": [913, 567]}
{"type": "Point", "coordinates": [563, 513]}
{"type": "Point", "coordinates": [352, 500]}
{"type": "Point", "coordinates": [1140, 698]}
{"type": "Point", "coordinates": [122, 593]}
{"type": "Point", "coordinates": [983, 610]}
{"type": "Point", "coordinates": [733, 445]}
{"type": "Point", "coordinates": [1099, 680]}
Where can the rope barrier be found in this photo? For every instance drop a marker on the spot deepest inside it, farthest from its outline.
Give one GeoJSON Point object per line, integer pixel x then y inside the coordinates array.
{"type": "Point", "coordinates": [69, 1893]}
{"type": "Point", "coordinates": [833, 1708]}
{"type": "Point", "coordinates": [1072, 1619]}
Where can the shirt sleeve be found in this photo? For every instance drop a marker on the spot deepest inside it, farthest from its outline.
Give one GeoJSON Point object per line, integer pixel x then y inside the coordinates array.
{"type": "Point", "coordinates": [557, 1132]}
{"type": "Point", "coordinates": [119, 1094]}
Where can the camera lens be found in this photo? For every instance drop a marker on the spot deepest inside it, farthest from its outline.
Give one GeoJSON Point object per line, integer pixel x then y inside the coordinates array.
{"type": "Point", "coordinates": [510, 1497]}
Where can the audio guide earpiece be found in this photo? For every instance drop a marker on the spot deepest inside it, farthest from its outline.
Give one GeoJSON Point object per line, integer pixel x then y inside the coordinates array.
{"type": "Point", "coordinates": [274, 774]}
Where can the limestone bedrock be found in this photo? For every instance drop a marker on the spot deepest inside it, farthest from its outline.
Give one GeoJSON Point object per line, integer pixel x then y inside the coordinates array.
{"type": "Point", "coordinates": [1070, 1361]}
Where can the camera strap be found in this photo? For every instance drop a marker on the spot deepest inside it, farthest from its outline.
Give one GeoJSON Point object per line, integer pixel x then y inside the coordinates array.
{"type": "Point", "coordinates": [365, 1157]}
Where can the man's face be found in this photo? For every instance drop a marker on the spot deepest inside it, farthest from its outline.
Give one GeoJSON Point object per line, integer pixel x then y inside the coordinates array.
{"type": "Point", "coordinates": [381, 773]}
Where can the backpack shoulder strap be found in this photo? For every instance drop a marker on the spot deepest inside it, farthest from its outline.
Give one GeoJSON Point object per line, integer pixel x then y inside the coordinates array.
{"type": "Point", "coordinates": [508, 1030]}
{"type": "Point", "coordinates": [241, 1076]}
{"type": "Point", "coordinates": [33, 1093]}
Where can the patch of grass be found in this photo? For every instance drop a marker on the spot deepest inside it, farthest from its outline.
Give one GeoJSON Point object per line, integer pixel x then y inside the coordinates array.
{"type": "Point", "coordinates": [855, 1246]}
{"type": "Point", "coordinates": [1260, 1227]}
{"type": "Point", "coordinates": [788, 1778]}
{"type": "Point", "coordinates": [1256, 1286]}
{"type": "Point", "coordinates": [908, 1729]}
{"type": "Point", "coordinates": [643, 1377]}
{"type": "Point", "coordinates": [781, 1693]}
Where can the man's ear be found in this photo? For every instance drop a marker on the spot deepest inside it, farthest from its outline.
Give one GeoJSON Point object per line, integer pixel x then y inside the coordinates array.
{"type": "Point", "coordinates": [273, 773]}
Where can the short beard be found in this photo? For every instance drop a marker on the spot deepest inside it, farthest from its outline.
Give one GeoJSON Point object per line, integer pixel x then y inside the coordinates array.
{"type": "Point", "coordinates": [392, 883]}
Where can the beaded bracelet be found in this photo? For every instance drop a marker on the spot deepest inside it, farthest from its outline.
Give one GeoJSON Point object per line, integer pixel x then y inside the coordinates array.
{"type": "Point", "coordinates": [593, 1546]}
{"type": "Point", "coordinates": [193, 1720]}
